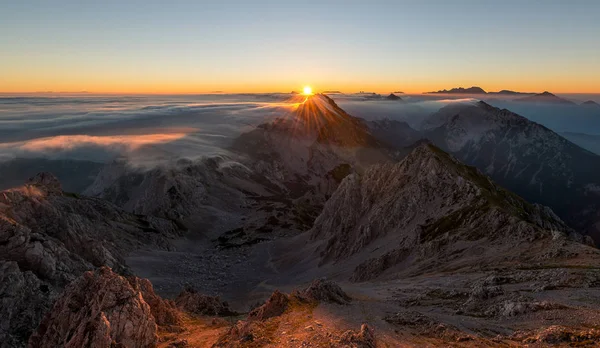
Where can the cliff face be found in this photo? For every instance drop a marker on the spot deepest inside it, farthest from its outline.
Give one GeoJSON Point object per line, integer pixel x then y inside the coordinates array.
{"type": "Point", "coordinates": [426, 209]}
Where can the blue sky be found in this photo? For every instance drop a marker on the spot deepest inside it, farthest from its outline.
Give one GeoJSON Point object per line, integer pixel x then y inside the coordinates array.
{"type": "Point", "coordinates": [193, 46]}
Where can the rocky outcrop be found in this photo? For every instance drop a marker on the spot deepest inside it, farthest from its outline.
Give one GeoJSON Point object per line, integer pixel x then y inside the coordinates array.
{"type": "Point", "coordinates": [164, 311]}
{"type": "Point", "coordinates": [99, 309]}
{"type": "Point", "coordinates": [322, 290]}
{"type": "Point", "coordinates": [425, 209]}
{"type": "Point", "coordinates": [191, 301]}
{"type": "Point", "coordinates": [275, 306]}
{"type": "Point", "coordinates": [279, 321]}
{"type": "Point", "coordinates": [309, 142]}
{"type": "Point", "coordinates": [557, 335]}
{"type": "Point", "coordinates": [95, 230]}
{"type": "Point", "coordinates": [48, 238]}
{"type": "Point", "coordinates": [365, 338]}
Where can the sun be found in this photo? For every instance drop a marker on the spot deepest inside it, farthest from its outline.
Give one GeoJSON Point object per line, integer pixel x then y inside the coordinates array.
{"type": "Point", "coordinates": [307, 90]}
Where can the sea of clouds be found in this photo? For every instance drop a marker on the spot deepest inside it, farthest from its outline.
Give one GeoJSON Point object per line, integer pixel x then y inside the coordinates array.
{"type": "Point", "coordinates": [100, 128]}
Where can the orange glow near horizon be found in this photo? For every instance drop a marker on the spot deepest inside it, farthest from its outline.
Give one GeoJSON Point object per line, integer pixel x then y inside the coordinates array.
{"type": "Point", "coordinates": [132, 86]}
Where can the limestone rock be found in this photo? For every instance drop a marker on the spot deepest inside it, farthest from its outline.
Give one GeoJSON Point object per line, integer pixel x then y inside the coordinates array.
{"type": "Point", "coordinates": [365, 338]}
{"type": "Point", "coordinates": [323, 290]}
{"type": "Point", "coordinates": [164, 311]}
{"type": "Point", "coordinates": [191, 301]}
{"type": "Point", "coordinates": [275, 306]}
{"type": "Point", "coordinates": [99, 309]}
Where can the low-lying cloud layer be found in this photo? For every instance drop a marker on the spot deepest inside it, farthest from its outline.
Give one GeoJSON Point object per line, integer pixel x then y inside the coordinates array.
{"type": "Point", "coordinates": [155, 128]}
{"type": "Point", "coordinates": [101, 128]}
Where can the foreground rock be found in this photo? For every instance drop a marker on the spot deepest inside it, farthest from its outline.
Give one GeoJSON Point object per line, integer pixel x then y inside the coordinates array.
{"type": "Point", "coordinates": [191, 301]}
{"type": "Point", "coordinates": [49, 237]}
{"type": "Point", "coordinates": [323, 290]}
{"type": "Point", "coordinates": [282, 311]}
{"type": "Point", "coordinates": [100, 309]}
{"type": "Point", "coordinates": [365, 338]}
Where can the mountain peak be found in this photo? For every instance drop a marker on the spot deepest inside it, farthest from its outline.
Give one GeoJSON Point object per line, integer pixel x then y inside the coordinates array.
{"type": "Point", "coordinates": [47, 181]}
{"type": "Point", "coordinates": [427, 197]}
{"type": "Point", "coordinates": [545, 97]}
{"type": "Point", "coordinates": [392, 96]}
{"type": "Point", "coordinates": [590, 102]}
{"type": "Point", "coordinates": [461, 90]}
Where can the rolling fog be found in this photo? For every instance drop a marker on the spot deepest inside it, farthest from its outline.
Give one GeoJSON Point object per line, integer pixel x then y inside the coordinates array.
{"type": "Point", "coordinates": [152, 129]}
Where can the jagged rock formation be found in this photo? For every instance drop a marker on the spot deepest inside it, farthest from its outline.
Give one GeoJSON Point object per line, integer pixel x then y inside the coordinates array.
{"type": "Point", "coordinates": [164, 311]}
{"type": "Point", "coordinates": [298, 160]}
{"type": "Point", "coordinates": [283, 312]}
{"type": "Point", "coordinates": [24, 300]}
{"type": "Point", "coordinates": [53, 237]}
{"type": "Point", "coordinates": [275, 306]}
{"type": "Point", "coordinates": [524, 157]}
{"type": "Point", "coordinates": [100, 309]}
{"type": "Point", "coordinates": [191, 301]}
{"type": "Point", "coordinates": [322, 290]}
{"type": "Point", "coordinates": [428, 209]}
{"type": "Point", "coordinates": [365, 338]}
{"type": "Point", "coordinates": [95, 230]}
{"type": "Point", "coordinates": [186, 188]}
{"type": "Point", "coordinates": [311, 141]}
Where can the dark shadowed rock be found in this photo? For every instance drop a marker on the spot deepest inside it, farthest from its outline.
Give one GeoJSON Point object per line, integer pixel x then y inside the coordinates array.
{"type": "Point", "coordinates": [24, 300]}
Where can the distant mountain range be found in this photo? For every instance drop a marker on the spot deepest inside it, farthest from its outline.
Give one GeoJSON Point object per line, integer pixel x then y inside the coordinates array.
{"type": "Point", "coordinates": [523, 156]}
{"type": "Point", "coordinates": [590, 103]}
{"type": "Point", "coordinates": [478, 90]}
{"type": "Point", "coordinates": [461, 90]}
{"type": "Point", "coordinates": [545, 97]}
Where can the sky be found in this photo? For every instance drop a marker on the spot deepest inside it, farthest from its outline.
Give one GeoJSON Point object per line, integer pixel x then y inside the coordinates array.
{"type": "Point", "coordinates": [268, 46]}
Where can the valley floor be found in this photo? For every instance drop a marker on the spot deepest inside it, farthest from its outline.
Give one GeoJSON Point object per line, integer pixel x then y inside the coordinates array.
{"type": "Point", "coordinates": [539, 305]}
